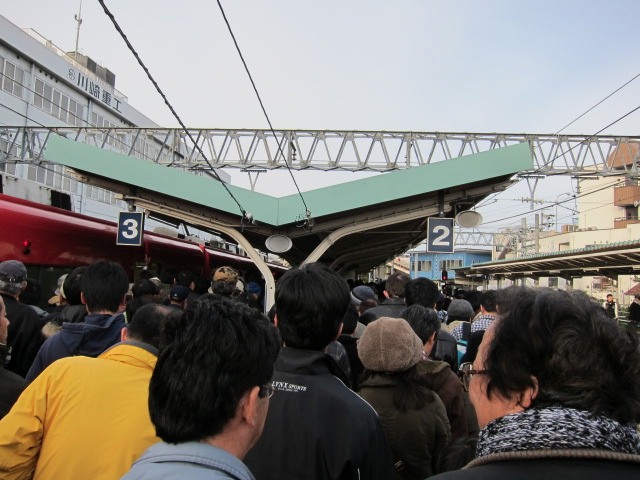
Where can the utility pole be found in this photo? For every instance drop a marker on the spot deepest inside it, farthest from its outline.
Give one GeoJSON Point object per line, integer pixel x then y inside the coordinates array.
{"type": "Point", "coordinates": [78, 18]}
{"type": "Point", "coordinates": [537, 234]}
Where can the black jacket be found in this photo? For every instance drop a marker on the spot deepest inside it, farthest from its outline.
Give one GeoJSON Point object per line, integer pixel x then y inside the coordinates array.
{"type": "Point", "coordinates": [391, 307]}
{"type": "Point", "coordinates": [11, 385]}
{"type": "Point", "coordinates": [25, 335]}
{"type": "Point", "coordinates": [316, 427]}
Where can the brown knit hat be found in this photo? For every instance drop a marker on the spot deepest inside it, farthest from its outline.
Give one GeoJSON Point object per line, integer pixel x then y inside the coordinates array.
{"type": "Point", "coordinates": [389, 345]}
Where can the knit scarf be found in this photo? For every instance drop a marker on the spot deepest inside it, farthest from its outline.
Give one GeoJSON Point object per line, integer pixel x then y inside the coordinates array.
{"type": "Point", "coordinates": [556, 428]}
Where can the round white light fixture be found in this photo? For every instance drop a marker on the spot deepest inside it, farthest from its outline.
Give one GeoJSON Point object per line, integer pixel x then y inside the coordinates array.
{"type": "Point", "coordinates": [278, 243]}
{"type": "Point", "coordinates": [468, 219]}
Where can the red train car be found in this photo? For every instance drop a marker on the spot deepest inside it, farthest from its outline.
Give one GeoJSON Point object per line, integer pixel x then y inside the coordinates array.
{"type": "Point", "coordinates": [51, 241]}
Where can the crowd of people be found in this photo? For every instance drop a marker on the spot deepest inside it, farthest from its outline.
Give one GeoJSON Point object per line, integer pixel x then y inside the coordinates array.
{"type": "Point", "coordinates": [184, 378]}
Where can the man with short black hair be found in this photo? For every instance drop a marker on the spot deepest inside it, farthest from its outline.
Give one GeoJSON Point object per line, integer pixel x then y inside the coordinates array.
{"type": "Point", "coordinates": [610, 307]}
{"type": "Point", "coordinates": [488, 314]}
{"type": "Point", "coordinates": [87, 417]}
{"type": "Point", "coordinates": [209, 393]}
{"type": "Point", "coordinates": [438, 374]}
{"type": "Point", "coordinates": [25, 337]}
{"type": "Point", "coordinates": [103, 288]}
{"type": "Point", "coordinates": [422, 291]}
{"type": "Point", "coordinates": [394, 305]}
{"type": "Point", "coordinates": [316, 428]}
{"type": "Point", "coordinates": [73, 310]}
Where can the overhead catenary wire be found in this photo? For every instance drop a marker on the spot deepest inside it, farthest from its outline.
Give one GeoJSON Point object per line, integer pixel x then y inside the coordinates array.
{"type": "Point", "coordinates": [166, 101]}
{"type": "Point", "coordinates": [264, 110]}
{"type": "Point", "coordinates": [578, 118]}
{"type": "Point", "coordinates": [551, 205]}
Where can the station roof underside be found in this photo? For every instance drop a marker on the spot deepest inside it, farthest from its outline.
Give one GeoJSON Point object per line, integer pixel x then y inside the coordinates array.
{"type": "Point", "coordinates": [610, 260]}
{"type": "Point", "coordinates": [380, 216]}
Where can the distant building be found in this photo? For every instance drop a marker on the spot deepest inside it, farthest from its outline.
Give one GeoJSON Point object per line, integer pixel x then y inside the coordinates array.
{"type": "Point", "coordinates": [431, 265]}
{"type": "Point", "coordinates": [607, 214]}
{"type": "Point", "coordinates": [42, 85]}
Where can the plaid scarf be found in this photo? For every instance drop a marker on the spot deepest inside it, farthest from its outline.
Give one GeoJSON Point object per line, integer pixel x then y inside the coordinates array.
{"type": "Point", "coordinates": [556, 428]}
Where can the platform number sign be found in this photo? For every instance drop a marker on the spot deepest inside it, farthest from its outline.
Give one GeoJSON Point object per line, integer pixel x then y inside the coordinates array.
{"type": "Point", "coordinates": [440, 235]}
{"type": "Point", "coordinates": [130, 228]}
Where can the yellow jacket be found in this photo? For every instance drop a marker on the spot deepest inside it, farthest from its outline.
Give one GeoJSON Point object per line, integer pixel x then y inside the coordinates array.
{"type": "Point", "coordinates": [82, 418]}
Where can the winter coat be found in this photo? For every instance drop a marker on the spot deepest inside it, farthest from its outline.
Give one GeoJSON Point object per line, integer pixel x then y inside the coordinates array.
{"type": "Point", "coordinates": [391, 307]}
{"type": "Point", "coordinates": [24, 338]}
{"type": "Point", "coordinates": [89, 338]}
{"type": "Point", "coordinates": [418, 437]}
{"type": "Point", "coordinates": [541, 464]}
{"type": "Point", "coordinates": [11, 385]}
{"type": "Point", "coordinates": [316, 427]}
{"type": "Point", "coordinates": [81, 418]}
{"type": "Point", "coordinates": [441, 379]}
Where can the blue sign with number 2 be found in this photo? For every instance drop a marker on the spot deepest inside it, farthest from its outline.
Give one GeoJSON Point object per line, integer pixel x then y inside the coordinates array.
{"type": "Point", "coordinates": [440, 235]}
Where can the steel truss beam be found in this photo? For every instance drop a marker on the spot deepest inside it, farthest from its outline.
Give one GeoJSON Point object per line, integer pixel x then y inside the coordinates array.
{"type": "Point", "coordinates": [474, 238]}
{"type": "Point", "coordinates": [577, 155]}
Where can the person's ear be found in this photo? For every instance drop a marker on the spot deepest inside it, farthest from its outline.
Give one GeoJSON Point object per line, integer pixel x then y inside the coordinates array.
{"type": "Point", "coordinates": [526, 398]}
{"type": "Point", "coordinates": [82, 299]}
{"type": "Point", "coordinates": [124, 334]}
{"type": "Point", "coordinates": [123, 303]}
{"type": "Point", "coordinates": [249, 406]}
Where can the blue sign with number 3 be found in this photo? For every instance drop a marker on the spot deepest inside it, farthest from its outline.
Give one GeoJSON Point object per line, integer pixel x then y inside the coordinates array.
{"type": "Point", "coordinates": [440, 235]}
{"type": "Point", "coordinates": [130, 228]}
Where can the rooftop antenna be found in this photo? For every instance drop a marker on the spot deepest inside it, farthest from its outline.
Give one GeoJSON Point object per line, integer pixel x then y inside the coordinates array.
{"type": "Point", "coordinates": [78, 18]}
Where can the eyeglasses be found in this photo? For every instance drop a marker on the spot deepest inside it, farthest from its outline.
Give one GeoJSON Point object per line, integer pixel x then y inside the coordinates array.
{"type": "Point", "coordinates": [266, 390]}
{"type": "Point", "coordinates": [466, 371]}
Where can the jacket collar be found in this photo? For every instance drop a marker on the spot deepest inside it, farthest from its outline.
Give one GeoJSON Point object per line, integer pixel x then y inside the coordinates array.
{"type": "Point", "coordinates": [308, 362]}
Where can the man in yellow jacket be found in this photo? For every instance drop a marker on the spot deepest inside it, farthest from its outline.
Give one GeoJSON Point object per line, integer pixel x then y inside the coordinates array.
{"type": "Point", "coordinates": [86, 417]}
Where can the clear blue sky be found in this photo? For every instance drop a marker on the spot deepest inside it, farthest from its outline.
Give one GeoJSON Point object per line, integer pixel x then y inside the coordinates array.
{"type": "Point", "coordinates": [489, 66]}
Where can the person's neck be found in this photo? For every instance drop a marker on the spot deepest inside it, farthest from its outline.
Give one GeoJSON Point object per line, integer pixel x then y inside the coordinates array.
{"type": "Point", "coordinates": [232, 444]}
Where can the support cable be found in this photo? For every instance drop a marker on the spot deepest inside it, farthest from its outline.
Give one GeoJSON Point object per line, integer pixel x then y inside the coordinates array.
{"type": "Point", "coordinates": [255, 89]}
{"type": "Point", "coordinates": [166, 101]}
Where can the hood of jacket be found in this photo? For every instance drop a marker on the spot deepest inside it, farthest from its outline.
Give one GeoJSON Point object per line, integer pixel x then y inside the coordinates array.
{"type": "Point", "coordinates": [92, 336]}
{"type": "Point", "coordinates": [379, 380]}
{"type": "Point", "coordinates": [436, 372]}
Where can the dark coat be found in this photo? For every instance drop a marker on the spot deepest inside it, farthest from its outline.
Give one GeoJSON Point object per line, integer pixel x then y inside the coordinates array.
{"type": "Point", "coordinates": [11, 386]}
{"type": "Point", "coordinates": [441, 379]}
{"type": "Point", "coordinates": [446, 349]}
{"type": "Point", "coordinates": [70, 313]}
{"type": "Point", "coordinates": [418, 438]}
{"type": "Point", "coordinates": [543, 468]}
{"type": "Point", "coordinates": [634, 312]}
{"type": "Point", "coordinates": [317, 428]}
{"type": "Point", "coordinates": [391, 307]}
{"type": "Point", "coordinates": [25, 335]}
{"type": "Point", "coordinates": [350, 344]}
{"type": "Point", "coordinates": [89, 338]}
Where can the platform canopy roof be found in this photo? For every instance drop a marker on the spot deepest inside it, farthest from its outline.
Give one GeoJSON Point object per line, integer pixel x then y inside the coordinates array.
{"type": "Point", "coordinates": [606, 260]}
{"type": "Point", "coordinates": [354, 226]}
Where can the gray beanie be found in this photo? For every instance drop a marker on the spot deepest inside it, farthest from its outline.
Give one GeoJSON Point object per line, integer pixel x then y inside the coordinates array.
{"type": "Point", "coordinates": [460, 309]}
{"type": "Point", "coordinates": [389, 345]}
